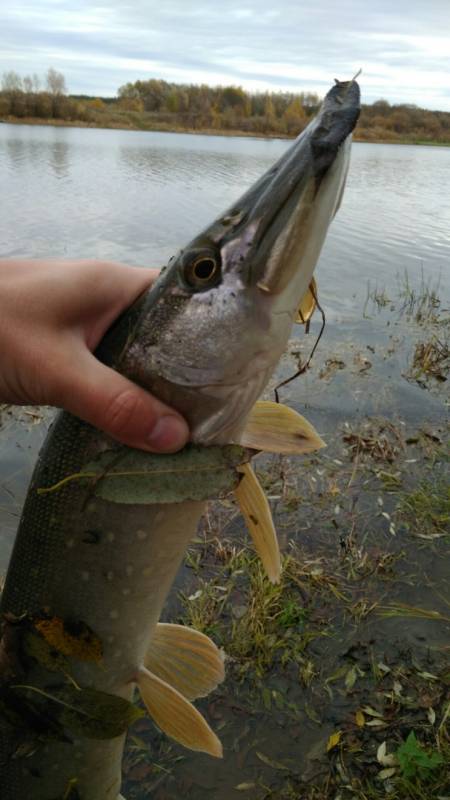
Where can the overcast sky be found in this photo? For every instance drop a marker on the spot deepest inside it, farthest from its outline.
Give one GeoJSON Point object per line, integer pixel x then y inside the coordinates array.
{"type": "Point", "coordinates": [402, 46]}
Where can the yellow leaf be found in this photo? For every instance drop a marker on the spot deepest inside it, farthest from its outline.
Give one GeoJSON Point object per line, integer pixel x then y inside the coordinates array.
{"type": "Point", "coordinates": [334, 740]}
{"type": "Point", "coordinates": [360, 719]}
{"type": "Point", "coordinates": [307, 304]}
{"type": "Point", "coordinates": [72, 639]}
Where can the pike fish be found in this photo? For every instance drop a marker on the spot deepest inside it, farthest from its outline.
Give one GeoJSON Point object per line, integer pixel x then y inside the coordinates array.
{"type": "Point", "coordinates": [104, 528]}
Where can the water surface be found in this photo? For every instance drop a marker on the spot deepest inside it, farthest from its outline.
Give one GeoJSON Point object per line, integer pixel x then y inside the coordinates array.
{"type": "Point", "coordinates": [139, 196]}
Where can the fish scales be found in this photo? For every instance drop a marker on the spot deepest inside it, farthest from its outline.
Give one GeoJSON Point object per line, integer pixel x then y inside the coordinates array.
{"type": "Point", "coordinates": [119, 562]}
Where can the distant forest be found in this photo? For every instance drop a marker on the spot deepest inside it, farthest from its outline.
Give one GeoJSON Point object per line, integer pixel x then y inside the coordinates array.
{"type": "Point", "coordinates": [158, 105]}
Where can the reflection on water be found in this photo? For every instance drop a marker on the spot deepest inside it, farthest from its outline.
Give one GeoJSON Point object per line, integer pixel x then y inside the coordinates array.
{"type": "Point", "coordinates": [59, 160]}
{"type": "Point", "coordinates": [138, 197]}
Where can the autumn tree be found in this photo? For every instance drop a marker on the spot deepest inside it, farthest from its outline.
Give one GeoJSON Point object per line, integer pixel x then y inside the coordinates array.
{"type": "Point", "coordinates": [11, 82]}
{"type": "Point", "coordinates": [56, 82]}
{"type": "Point", "coordinates": [295, 117]}
{"type": "Point", "coordinates": [28, 84]}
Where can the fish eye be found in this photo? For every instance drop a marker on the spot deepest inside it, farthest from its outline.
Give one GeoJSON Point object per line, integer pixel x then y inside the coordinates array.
{"type": "Point", "coordinates": [202, 271]}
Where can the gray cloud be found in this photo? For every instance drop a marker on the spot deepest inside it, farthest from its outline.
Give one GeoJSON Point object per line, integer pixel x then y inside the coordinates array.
{"type": "Point", "coordinates": [402, 46]}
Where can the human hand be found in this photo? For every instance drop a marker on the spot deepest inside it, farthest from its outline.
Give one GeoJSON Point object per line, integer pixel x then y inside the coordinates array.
{"type": "Point", "coordinates": [52, 316]}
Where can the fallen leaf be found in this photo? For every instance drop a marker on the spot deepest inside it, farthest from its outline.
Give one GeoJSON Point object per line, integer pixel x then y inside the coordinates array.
{"type": "Point", "coordinates": [386, 773]}
{"type": "Point", "coordinates": [383, 758]}
{"type": "Point", "coordinates": [334, 740]}
{"type": "Point", "coordinates": [360, 719]}
{"type": "Point", "coordinates": [271, 762]}
{"type": "Point", "coordinates": [74, 639]}
{"type": "Point", "coordinates": [350, 678]}
{"type": "Point", "coordinates": [428, 676]}
{"type": "Point", "coordinates": [371, 711]}
{"type": "Point", "coordinates": [381, 752]}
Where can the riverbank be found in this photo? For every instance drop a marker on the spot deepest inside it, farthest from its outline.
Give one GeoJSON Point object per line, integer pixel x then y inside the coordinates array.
{"type": "Point", "coordinates": [337, 678]}
{"type": "Point", "coordinates": [131, 125]}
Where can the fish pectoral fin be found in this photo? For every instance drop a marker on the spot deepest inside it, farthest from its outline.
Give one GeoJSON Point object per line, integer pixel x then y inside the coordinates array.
{"type": "Point", "coordinates": [175, 715]}
{"type": "Point", "coordinates": [276, 428]}
{"type": "Point", "coordinates": [186, 659]}
{"type": "Point", "coordinates": [256, 511]}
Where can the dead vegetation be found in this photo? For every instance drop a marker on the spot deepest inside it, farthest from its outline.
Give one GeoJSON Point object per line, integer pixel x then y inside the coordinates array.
{"type": "Point", "coordinates": [381, 440]}
{"type": "Point", "coordinates": [430, 360]}
{"type": "Point", "coordinates": [326, 698]}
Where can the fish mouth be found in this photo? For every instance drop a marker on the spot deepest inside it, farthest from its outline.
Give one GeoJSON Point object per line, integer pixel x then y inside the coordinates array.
{"type": "Point", "coordinates": [279, 226]}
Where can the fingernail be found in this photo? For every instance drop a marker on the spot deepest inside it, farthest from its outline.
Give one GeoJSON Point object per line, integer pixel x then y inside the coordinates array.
{"type": "Point", "coordinates": [169, 434]}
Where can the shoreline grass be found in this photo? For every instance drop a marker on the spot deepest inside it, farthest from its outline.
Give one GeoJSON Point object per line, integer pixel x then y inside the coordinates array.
{"type": "Point", "coordinates": [162, 127]}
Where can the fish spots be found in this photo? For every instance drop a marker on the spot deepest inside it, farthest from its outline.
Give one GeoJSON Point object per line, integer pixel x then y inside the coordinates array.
{"type": "Point", "coordinates": [85, 575]}
{"type": "Point", "coordinates": [159, 517]}
{"type": "Point", "coordinates": [146, 572]}
{"type": "Point", "coordinates": [129, 569]}
{"type": "Point", "coordinates": [114, 614]}
{"type": "Point", "coordinates": [118, 654]}
{"type": "Point", "coordinates": [110, 536]}
{"type": "Point", "coordinates": [126, 591]}
{"type": "Point", "coordinates": [70, 543]}
{"type": "Point", "coordinates": [91, 507]}
{"type": "Point", "coordinates": [110, 575]}
{"type": "Point", "coordinates": [141, 535]}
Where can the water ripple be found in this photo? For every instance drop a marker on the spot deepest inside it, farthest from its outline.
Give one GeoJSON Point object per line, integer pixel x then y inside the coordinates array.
{"type": "Point", "coordinates": [138, 197]}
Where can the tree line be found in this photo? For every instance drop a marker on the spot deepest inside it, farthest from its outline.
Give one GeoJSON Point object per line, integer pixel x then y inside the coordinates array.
{"type": "Point", "coordinates": [159, 105]}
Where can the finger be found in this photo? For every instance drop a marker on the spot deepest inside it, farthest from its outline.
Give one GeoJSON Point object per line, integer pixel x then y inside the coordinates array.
{"type": "Point", "coordinates": [107, 292]}
{"type": "Point", "coordinates": [121, 284]}
{"type": "Point", "coordinates": [120, 408]}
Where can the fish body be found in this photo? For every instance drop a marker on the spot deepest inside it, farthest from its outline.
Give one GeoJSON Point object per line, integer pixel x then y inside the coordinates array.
{"type": "Point", "coordinates": [206, 339]}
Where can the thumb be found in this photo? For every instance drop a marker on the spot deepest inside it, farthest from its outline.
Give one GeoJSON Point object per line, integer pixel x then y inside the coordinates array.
{"type": "Point", "coordinates": [104, 398]}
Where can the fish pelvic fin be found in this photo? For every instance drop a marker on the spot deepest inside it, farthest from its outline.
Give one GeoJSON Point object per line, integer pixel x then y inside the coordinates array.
{"type": "Point", "coordinates": [175, 715]}
{"type": "Point", "coordinates": [185, 659]}
{"type": "Point", "coordinates": [276, 428]}
{"type": "Point", "coordinates": [256, 511]}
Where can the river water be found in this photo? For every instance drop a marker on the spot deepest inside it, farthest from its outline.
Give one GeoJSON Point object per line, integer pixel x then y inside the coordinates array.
{"type": "Point", "coordinates": [137, 197]}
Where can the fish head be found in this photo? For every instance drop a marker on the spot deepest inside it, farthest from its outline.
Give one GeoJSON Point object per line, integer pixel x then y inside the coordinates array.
{"type": "Point", "coordinates": [212, 329]}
